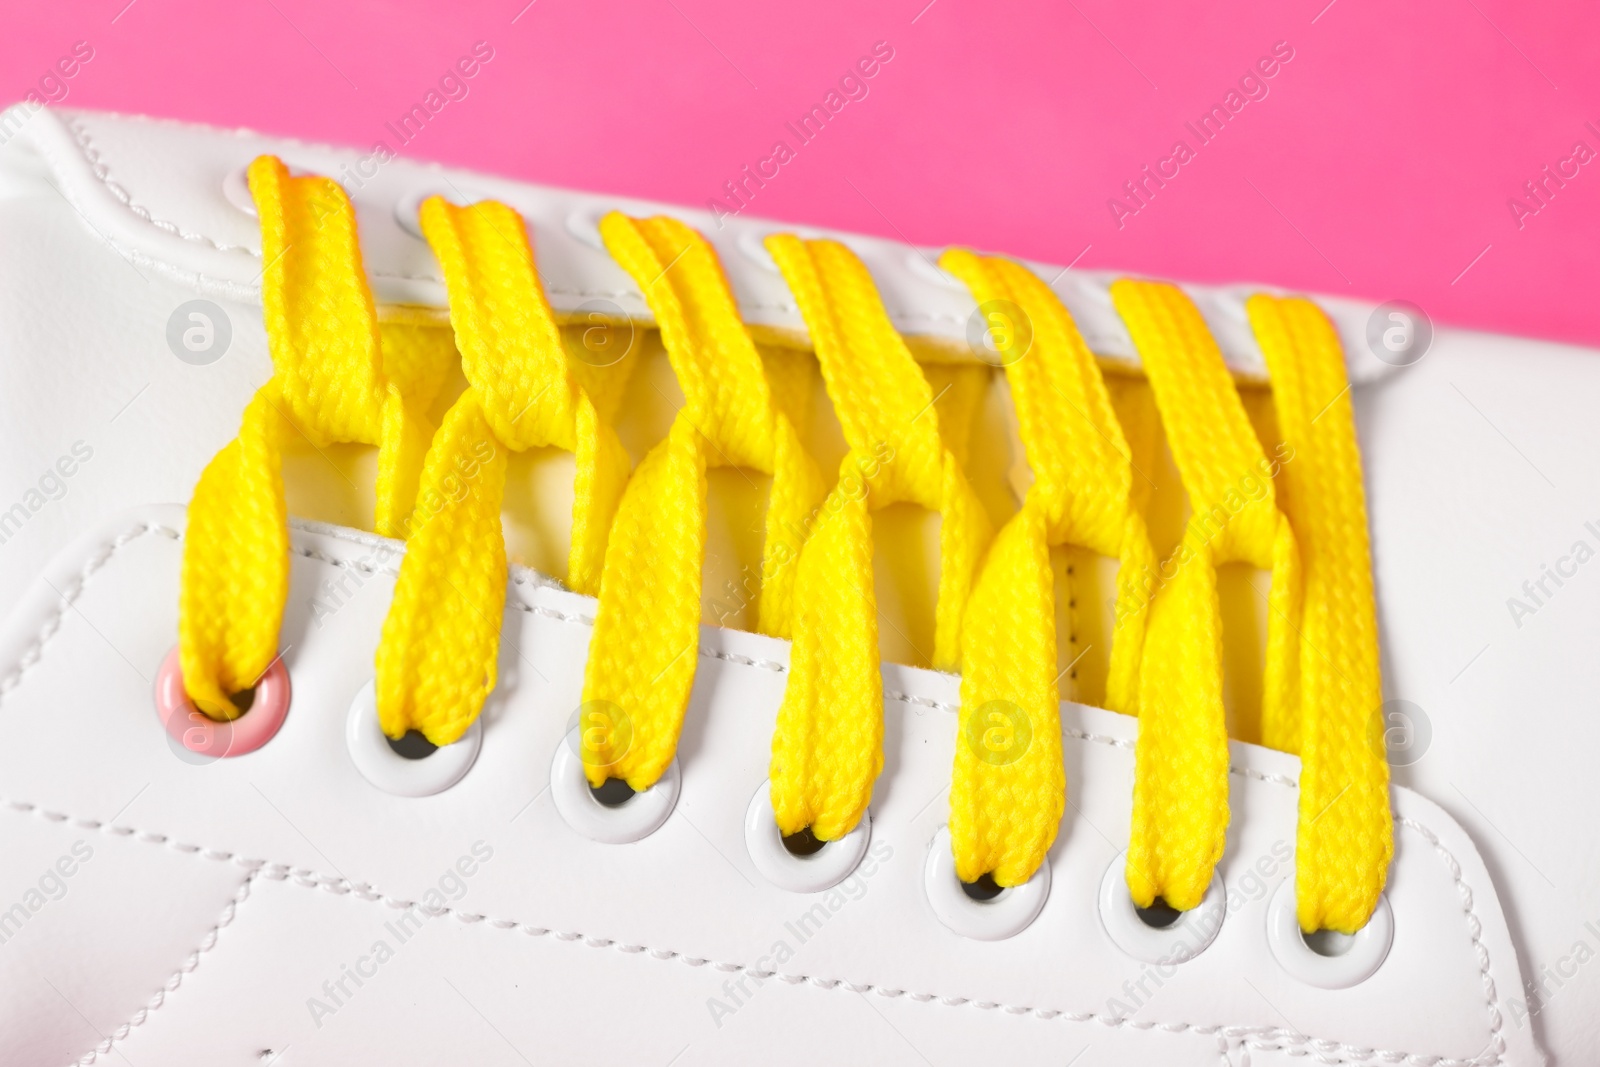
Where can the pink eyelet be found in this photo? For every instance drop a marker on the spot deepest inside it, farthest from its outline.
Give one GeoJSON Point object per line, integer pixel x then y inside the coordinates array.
{"type": "Point", "coordinates": [209, 739]}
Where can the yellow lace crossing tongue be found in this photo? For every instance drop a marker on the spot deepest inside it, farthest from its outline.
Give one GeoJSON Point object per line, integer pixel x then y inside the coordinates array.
{"type": "Point", "coordinates": [1180, 793]}
{"type": "Point", "coordinates": [337, 377]}
{"type": "Point", "coordinates": [1346, 836]}
{"type": "Point", "coordinates": [1008, 788]}
{"type": "Point", "coordinates": [436, 663]}
{"type": "Point", "coordinates": [828, 748]}
{"type": "Point", "coordinates": [638, 543]}
{"type": "Point", "coordinates": [643, 654]}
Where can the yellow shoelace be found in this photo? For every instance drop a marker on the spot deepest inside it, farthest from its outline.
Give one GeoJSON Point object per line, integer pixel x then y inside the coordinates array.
{"type": "Point", "coordinates": [828, 748]}
{"type": "Point", "coordinates": [643, 654]}
{"type": "Point", "coordinates": [638, 542]}
{"type": "Point", "coordinates": [338, 376]}
{"type": "Point", "coordinates": [1345, 837]}
{"type": "Point", "coordinates": [1008, 789]}
{"type": "Point", "coordinates": [1180, 813]}
{"type": "Point", "coordinates": [436, 662]}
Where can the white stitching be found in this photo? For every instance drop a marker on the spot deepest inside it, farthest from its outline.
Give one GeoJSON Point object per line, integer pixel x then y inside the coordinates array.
{"type": "Point", "coordinates": [98, 559]}
{"type": "Point", "coordinates": [207, 943]}
{"type": "Point", "coordinates": [1474, 931]}
{"type": "Point", "coordinates": [1263, 1038]}
{"type": "Point", "coordinates": [1104, 343]}
{"type": "Point", "coordinates": [102, 173]}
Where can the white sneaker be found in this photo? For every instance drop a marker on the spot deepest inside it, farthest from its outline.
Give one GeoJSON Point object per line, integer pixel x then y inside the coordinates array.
{"type": "Point", "coordinates": [311, 896]}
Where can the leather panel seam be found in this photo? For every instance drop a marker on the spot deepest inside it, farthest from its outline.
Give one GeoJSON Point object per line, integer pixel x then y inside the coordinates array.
{"type": "Point", "coordinates": [1320, 1048]}
{"type": "Point", "coordinates": [1259, 1037]}
{"type": "Point", "coordinates": [170, 986]}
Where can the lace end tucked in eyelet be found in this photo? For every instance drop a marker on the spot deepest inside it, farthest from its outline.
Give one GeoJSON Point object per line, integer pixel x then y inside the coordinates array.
{"type": "Point", "coordinates": [642, 656]}
{"type": "Point", "coordinates": [441, 640]}
{"type": "Point", "coordinates": [828, 747]}
{"type": "Point", "coordinates": [333, 381]}
{"type": "Point", "coordinates": [1009, 788]}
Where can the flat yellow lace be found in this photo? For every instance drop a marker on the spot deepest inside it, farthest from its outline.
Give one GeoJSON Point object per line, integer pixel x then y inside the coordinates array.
{"type": "Point", "coordinates": [828, 747]}
{"type": "Point", "coordinates": [436, 662]}
{"type": "Point", "coordinates": [1296, 509]}
{"type": "Point", "coordinates": [643, 654]}
{"type": "Point", "coordinates": [1008, 788]}
{"type": "Point", "coordinates": [1346, 836]}
{"type": "Point", "coordinates": [1180, 811]}
{"type": "Point", "coordinates": [337, 377]}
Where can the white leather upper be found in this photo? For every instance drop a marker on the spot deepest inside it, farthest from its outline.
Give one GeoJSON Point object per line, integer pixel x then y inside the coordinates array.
{"type": "Point", "coordinates": [565, 944]}
{"type": "Point", "coordinates": [221, 896]}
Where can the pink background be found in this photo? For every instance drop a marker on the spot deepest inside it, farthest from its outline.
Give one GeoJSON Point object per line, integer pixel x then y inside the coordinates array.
{"type": "Point", "coordinates": [1380, 164]}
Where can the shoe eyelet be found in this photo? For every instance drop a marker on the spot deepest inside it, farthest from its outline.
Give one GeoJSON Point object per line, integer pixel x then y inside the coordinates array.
{"type": "Point", "coordinates": [236, 187]}
{"type": "Point", "coordinates": [1096, 291]}
{"type": "Point", "coordinates": [924, 269]}
{"type": "Point", "coordinates": [1356, 957]}
{"type": "Point", "coordinates": [198, 738]}
{"type": "Point", "coordinates": [806, 865]}
{"type": "Point", "coordinates": [407, 767]}
{"type": "Point", "coordinates": [1005, 914]}
{"type": "Point", "coordinates": [1231, 304]}
{"type": "Point", "coordinates": [1144, 936]}
{"type": "Point", "coordinates": [408, 210]}
{"type": "Point", "coordinates": [753, 244]}
{"type": "Point", "coordinates": [591, 813]}
{"type": "Point", "coordinates": [583, 224]}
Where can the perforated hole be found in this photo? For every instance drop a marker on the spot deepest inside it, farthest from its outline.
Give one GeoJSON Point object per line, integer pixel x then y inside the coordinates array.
{"type": "Point", "coordinates": [412, 746]}
{"type": "Point", "coordinates": [804, 843]}
{"type": "Point", "coordinates": [241, 702]}
{"type": "Point", "coordinates": [1149, 934]}
{"type": "Point", "coordinates": [1159, 915]}
{"type": "Point", "coordinates": [1326, 959]}
{"type": "Point", "coordinates": [800, 862]}
{"type": "Point", "coordinates": [200, 731]}
{"type": "Point", "coordinates": [980, 909]}
{"type": "Point", "coordinates": [613, 792]}
{"type": "Point", "coordinates": [983, 890]}
{"type": "Point", "coordinates": [410, 765]}
{"type": "Point", "coordinates": [1328, 943]}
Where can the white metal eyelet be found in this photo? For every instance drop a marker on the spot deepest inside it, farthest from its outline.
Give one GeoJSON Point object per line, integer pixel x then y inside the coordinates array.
{"type": "Point", "coordinates": [930, 272]}
{"type": "Point", "coordinates": [1185, 938]}
{"type": "Point", "coordinates": [989, 920]}
{"type": "Point", "coordinates": [639, 817]}
{"type": "Point", "coordinates": [753, 243]}
{"type": "Point", "coordinates": [1351, 959]}
{"type": "Point", "coordinates": [393, 773]}
{"type": "Point", "coordinates": [1096, 291]}
{"type": "Point", "coordinates": [584, 224]}
{"type": "Point", "coordinates": [1232, 304]}
{"type": "Point", "coordinates": [236, 188]}
{"type": "Point", "coordinates": [408, 210]}
{"type": "Point", "coordinates": [821, 870]}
